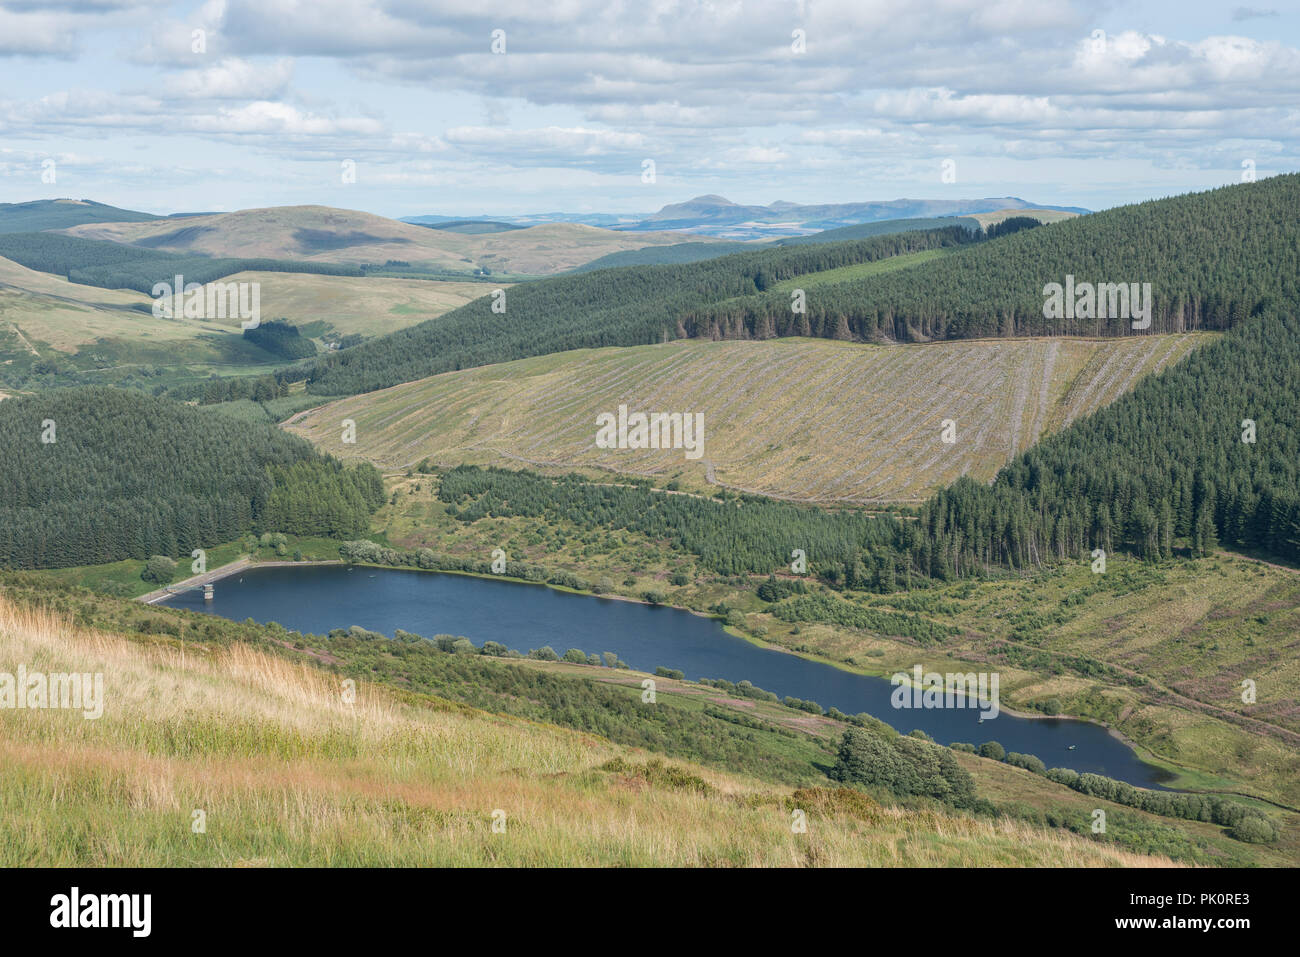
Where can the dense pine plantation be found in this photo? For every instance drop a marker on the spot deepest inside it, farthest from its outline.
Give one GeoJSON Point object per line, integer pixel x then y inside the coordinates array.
{"type": "Point", "coordinates": [621, 307]}
{"type": "Point", "coordinates": [750, 534]}
{"type": "Point", "coordinates": [1173, 459]}
{"type": "Point", "coordinates": [93, 475]}
{"type": "Point", "coordinates": [1213, 260]}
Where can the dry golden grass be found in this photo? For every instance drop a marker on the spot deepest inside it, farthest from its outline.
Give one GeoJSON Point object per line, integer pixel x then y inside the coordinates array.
{"type": "Point", "coordinates": [36, 307]}
{"type": "Point", "coordinates": [811, 420]}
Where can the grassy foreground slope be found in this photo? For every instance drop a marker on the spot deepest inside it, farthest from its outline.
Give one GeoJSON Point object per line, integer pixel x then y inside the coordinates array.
{"type": "Point", "coordinates": [284, 772]}
{"type": "Point", "coordinates": [802, 419]}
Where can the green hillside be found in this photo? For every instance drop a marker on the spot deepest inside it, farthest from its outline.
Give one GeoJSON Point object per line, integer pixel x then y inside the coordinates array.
{"type": "Point", "coordinates": [97, 262]}
{"type": "Point", "coordinates": [1207, 453]}
{"type": "Point", "coordinates": [1212, 260]}
{"type": "Point", "coordinates": [94, 475]}
{"type": "Point", "coordinates": [619, 307]}
{"type": "Point", "coordinates": [62, 214]}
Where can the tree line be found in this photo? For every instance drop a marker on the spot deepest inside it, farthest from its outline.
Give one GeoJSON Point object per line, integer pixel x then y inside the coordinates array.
{"type": "Point", "coordinates": [1212, 259]}
{"type": "Point", "coordinates": [744, 535]}
{"type": "Point", "coordinates": [1207, 453]}
{"type": "Point", "coordinates": [615, 307]}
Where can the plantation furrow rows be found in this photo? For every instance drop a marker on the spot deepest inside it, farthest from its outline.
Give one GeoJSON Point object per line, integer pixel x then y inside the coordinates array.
{"type": "Point", "coordinates": [1041, 414]}
{"type": "Point", "coordinates": [1106, 387]}
{"type": "Point", "coordinates": [1018, 402]}
{"type": "Point", "coordinates": [814, 420]}
{"type": "Point", "coordinates": [1099, 369]}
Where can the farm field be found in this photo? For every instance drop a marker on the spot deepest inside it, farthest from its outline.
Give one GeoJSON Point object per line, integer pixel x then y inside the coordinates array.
{"type": "Point", "coordinates": [810, 420]}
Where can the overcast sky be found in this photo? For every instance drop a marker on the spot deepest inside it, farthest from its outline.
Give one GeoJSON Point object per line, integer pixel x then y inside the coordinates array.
{"type": "Point", "coordinates": [1069, 102]}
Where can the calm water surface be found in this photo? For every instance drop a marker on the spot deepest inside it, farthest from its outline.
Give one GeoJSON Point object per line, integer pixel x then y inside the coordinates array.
{"type": "Point", "coordinates": [320, 598]}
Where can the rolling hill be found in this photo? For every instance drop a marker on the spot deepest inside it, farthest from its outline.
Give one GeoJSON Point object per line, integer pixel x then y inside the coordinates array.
{"type": "Point", "coordinates": [44, 214]}
{"type": "Point", "coordinates": [327, 235]}
{"type": "Point", "coordinates": [1217, 258]}
{"type": "Point", "coordinates": [718, 216]}
{"type": "Point", "coordinates": [44, 316]}
{"type": "Point", "coordinates": [809, 420]}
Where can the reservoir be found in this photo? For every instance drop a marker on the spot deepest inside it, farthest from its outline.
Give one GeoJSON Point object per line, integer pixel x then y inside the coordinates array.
{"type": "Point", "coordinates": [317, 599]}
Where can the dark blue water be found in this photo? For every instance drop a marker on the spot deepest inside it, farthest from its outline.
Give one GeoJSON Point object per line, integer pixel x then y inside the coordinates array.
{"type": "Point", "coordinates": [317, 599]}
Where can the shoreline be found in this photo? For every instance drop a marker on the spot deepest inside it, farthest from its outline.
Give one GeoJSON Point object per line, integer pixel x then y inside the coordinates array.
{"type": "Point", "coordinates": [1141, 752]}
{"type": "Point", "coordinates": [231, 568]}
{"type": "Point", "coordinates": [217, 574]}
{"type": "Point", "coordinates": [1144, 754]}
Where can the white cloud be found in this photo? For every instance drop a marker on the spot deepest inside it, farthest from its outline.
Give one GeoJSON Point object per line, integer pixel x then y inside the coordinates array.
{"type": "Point", "coordinates": [577, 141]}
{"type": "Point", "coordinates": [232, 79]}
{"type": "Point", "coordinates": [34, 34]}
{"type": "Point", "coordinates": [588, 85]}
